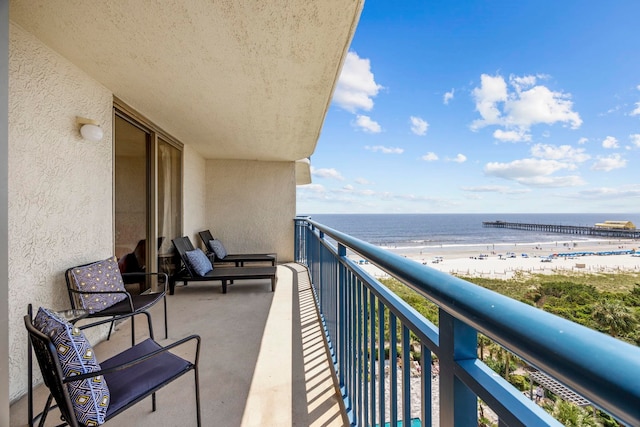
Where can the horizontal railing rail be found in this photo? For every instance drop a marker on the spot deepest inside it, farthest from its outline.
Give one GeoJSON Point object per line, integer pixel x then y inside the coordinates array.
{"type": "Point", "coordinates": [372, 333]}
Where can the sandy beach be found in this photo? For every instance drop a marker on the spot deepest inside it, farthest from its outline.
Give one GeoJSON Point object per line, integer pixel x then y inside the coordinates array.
{"type": "Point", "coordinates": [504, 260]}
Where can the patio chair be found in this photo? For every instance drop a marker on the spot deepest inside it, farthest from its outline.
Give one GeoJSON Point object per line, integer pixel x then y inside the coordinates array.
{"type": "Point", "coordinates": [88, 393]}
{"type": "Point", "coordinates": [217, 252]}
{"type": "Point", "coordinates": [197, 267]}
{"type": "Point", "coordinates": [134, 262]}
{"type": "Point", "coordinates": [98, 288]}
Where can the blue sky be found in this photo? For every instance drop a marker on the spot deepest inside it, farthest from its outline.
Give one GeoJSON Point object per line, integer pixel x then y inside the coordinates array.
{"type": "Point", "coordinates": [484, 106]}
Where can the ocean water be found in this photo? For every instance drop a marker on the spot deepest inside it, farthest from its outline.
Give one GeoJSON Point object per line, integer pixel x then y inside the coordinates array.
{"type": "Point", "coordinates": [450, 230]}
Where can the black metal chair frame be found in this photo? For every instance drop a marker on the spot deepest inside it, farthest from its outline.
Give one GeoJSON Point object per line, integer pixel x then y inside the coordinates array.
{"type": "Point", "coordinates": [56, 382]}
{"type": "Point", "coordinates": [224, 274]}
{"type": "Point", "coordinates": [132, 304]}
{"type": "Point", "coordinates": [238, 259]}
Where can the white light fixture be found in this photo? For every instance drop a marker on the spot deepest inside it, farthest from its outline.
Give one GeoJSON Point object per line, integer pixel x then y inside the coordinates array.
{"type": "Point", "coordinates": [90, 129]}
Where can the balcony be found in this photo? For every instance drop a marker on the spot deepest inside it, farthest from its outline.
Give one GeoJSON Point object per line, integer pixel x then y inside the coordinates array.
{"type": "Point", "coordinates": [265, 361]}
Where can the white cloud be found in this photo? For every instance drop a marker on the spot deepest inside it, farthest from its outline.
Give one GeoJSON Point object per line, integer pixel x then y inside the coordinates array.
{"type": "Point", "coordinates": [460, 158]}
{"type": "Point", "coordinates": [366, 124]}
{"type": "Point", "coordinates": [501, 189]}
{"type": "Point", "coordinates": [606, 193]}
{"type": "Point", "coordinates": [610, 142]}
{"type": "Point", "coordinates": [356, 86]}
{"type": "Point", "coordinates": [636, 111]}
{"type": "Point", "coordinates": [363, 181]}
{"type": "Point", "coordinates": [526, 105]}
{"type": "Point", "coordinates": [327, 173]}
{"type": "Point", "coordinates": [582, 141]}
{"type": "Point", "coordinates": [314, 188]}
{"type": "Point", "coordinates": [534, 172]}
{"type": "Point", "coordinates": [511, 135]}
{"type": "Point", "coordinates": [523, 82]}
{"type": "Point", "coordinates": [418, 126]}
{"type": "Point", "coordinates": [430, 157]}
{"type": "Point", "coordinates": [554, 181]}
{"type": "Point", "coordinates": [635, 139]}
{"type": "Point", "coordinates": [448, 96]}
{"type": "Point", "coordinates": [492, 90]}
{"type": "Point", "coordinates": [606, 164]}
{"type": "Point", "coordinates": [524, 168]}
{"type": "Point", "coordinates": [562, 152]}
{"type": "Point", "coordinates": [384, 150]}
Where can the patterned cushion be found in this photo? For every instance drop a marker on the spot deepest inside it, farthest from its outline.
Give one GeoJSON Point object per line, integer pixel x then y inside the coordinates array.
{"type": "Point", "coordinates": [217, 247]}
{"type": "Point", "coordinates": [199, 262]}
{"type": "Point", "coordinates": [89, 397]}
{"type": "Point", "coordinates": [101, 276]}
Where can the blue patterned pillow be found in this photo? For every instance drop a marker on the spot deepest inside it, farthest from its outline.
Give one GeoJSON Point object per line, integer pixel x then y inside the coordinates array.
{"type": "Point", "coordinates": [217, 247]}
{"type": "Point", "coordinates": [199, 262]}
{"type": "Point", "coordinates": [101, 276]}
{"type": "Point", "coordinates": [89, 397]}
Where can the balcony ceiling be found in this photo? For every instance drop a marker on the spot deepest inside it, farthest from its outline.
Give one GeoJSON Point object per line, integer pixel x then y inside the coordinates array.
{"type": "Point", "coordinates": [235, 79]}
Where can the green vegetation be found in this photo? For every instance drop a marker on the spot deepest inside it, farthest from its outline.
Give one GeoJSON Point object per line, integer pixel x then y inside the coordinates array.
{"type": "Point", "coordinates": [609, 303]}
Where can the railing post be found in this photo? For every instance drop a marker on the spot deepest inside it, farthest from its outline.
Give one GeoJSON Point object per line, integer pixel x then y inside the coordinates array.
{"type": "Point", "coordinates": [458, 341]}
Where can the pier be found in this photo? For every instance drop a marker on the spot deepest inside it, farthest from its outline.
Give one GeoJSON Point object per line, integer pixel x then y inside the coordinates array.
{"type": "Point", "coordinates": [566, 229]}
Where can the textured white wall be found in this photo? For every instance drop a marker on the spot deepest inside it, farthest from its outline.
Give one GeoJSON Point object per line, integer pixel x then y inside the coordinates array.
{"type": "Point", "coordinates": [250, 205]}
{"type": "Point", "coordinates": [60, 186]}
{"type": "Point", "coordinates": [194, 194]}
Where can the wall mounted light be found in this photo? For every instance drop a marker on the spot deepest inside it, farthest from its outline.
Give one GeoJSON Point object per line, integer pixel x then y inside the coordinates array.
{"type": "Point", "coordinates": [90, 129]}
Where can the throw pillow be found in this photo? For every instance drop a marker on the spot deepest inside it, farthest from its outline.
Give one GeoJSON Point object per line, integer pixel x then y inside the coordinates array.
{"type": "Point", "coordinates": [199, 262]}
{"type": "Point", "coordinates": [89, 397]}
{"type": "Point", "coordinates": [101, 276]}
{"type": "Point", "coordinates": [217, 248]}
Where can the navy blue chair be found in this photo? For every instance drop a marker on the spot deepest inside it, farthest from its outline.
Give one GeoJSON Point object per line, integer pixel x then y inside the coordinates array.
{"type": "Point", "coordinates": [130, 376]}
{"type": "Point", "coordinates": [114, 300]}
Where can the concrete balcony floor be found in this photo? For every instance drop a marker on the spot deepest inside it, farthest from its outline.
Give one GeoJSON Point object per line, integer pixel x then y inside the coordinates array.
{"type": "Point", "coordinates": [263, 360]}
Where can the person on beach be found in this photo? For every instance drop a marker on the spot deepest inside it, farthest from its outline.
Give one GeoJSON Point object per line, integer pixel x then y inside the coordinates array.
{"type": "Point", "coordinates": [539, 394]}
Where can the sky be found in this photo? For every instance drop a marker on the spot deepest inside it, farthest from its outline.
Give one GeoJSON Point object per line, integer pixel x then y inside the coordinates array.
{"type": "Point", "coordinates": [484, 107]}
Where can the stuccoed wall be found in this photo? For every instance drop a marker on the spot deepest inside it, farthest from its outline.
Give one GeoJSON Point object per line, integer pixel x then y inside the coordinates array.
{"type": "Point", "coordinates": [250, 205]}
{"type": "Point", "coordinates": [194, 194]}
{"type": "Point", "coordinates": [60, 186]}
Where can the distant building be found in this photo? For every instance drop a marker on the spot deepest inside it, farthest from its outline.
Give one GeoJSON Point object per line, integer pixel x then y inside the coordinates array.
{"type": "Point", "coordinates": [616, 225]}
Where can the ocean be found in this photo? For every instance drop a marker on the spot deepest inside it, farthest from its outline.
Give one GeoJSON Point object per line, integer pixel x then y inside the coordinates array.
{"type": "Point", "coordinates": [451, 230]}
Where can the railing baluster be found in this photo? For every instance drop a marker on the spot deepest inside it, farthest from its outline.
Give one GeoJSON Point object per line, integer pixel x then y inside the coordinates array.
{"type": "Point", "coordinates": [358, 343]}
{"type": "Point", "coordinates": [366, 356]}
{"type": "Point", "coordinates": [372, 356]}
{"type": "Point", "coordinates": [352, 344]}
{"type": "Point", "coordinates": [393, 369]}
{"type": "Point", "coordinates": [425, 382]}
{"type": "Point", "coordinates": [342, 317]}
{"type": "Point", "coordinates": [381, 362]}
{"type": "Point", "coordinates": [406, 377]}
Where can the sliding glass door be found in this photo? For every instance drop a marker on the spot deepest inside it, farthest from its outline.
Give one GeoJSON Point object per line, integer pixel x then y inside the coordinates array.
{"type": "Point", "coordinates": [169, 161]}
{"type": "Point", "coordinates": [147, 197]}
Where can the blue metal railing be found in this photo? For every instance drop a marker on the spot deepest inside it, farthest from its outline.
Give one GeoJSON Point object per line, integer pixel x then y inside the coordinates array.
{"type": "Point", "coordinates": [356, 310]}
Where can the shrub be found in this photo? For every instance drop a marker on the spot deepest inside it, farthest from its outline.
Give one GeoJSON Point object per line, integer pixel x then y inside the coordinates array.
{"type": "Point", "coordinates": [520, 382]}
